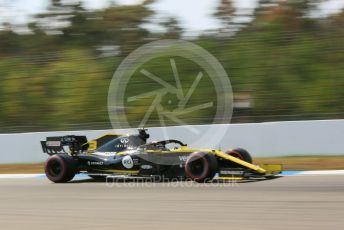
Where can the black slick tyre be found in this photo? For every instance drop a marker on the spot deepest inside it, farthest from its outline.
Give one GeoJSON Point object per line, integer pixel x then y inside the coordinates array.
{"type": "Point", "coordinates": [201, 167]}
{"type": "Point", "coordinates": [60, 168]}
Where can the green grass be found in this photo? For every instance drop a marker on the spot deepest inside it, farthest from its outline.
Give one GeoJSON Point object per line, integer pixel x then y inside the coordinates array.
{"type": "Point", "coordinates": [315, 162]}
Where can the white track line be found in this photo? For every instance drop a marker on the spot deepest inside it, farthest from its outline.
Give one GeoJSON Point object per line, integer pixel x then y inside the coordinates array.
{"type": "Point", "coordinates": [323, 172]}
{"type": "Point", "coordinates": [19, 176]}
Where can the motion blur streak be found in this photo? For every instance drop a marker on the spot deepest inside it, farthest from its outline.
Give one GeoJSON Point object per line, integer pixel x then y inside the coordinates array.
{"type": "Point", "coordinates": [305, 202]}
{"type": "Point", "coordinates": [283, 64]}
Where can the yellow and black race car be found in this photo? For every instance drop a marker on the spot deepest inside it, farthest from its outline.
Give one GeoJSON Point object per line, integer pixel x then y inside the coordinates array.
{"type": "Point", "coordinates": [130, 156]}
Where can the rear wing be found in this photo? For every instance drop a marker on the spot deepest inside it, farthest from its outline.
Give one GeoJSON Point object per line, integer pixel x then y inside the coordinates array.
{"type": "Point", "coordinates": [55, 145]}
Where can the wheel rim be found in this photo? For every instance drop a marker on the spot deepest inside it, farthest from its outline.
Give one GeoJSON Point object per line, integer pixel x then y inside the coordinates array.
{"type": "Point", "coordinates": [54, 168]}
{"type": "Point", "coordinates": [197, 167]}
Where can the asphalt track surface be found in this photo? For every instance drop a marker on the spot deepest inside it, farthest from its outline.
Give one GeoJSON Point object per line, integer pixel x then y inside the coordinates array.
{"type": "Point", "coordinates": [294, 202]}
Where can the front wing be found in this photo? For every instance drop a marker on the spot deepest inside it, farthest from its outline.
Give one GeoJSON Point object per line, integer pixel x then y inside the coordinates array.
{"type": "Point", "coordinates": [271, 170]}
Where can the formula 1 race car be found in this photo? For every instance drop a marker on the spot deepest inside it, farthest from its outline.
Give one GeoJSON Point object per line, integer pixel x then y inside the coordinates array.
{"type": "Point", "coordinates": [130, 156]}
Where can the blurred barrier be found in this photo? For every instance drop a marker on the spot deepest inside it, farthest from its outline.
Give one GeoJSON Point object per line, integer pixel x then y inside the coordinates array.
{"type": "Point", "coordinates": [261, 139]}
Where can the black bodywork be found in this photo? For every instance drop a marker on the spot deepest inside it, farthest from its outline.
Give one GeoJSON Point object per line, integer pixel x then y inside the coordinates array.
{"type": "Point", "coordinates": [147, 159]}
{"type": "Point", "coordinates": [131, 155]}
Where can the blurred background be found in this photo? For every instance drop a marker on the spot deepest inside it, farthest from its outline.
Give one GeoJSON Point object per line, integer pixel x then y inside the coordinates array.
{"type": "Point", "coordinates": [57, 58]}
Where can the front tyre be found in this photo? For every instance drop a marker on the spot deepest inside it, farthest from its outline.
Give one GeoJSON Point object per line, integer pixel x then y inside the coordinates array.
{"type": "Point", "coordinates": [60, 168]}
{"type": "Point", "coordinates": [201, 167]}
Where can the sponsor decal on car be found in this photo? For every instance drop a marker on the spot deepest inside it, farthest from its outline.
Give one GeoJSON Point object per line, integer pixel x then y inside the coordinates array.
{"type": "Point", "coordinates": [95, 163]}
{"type": "Point", "coordinates": [68, 139]}
{"type": "Point", "coordinates": [124, 140]}
{"type": "Point", "coordinates": [53, 143]}
{"type": "Point", "coordinates": [231, 172]}
{"type": "Point", "coordinates": [127, 162]}
{"type": "Point", "coordinates": [146, 167]}
{"type": "Point", "coordinates": [183, 158]}
{"type": "Point", "coordinates": [107, 154]}
{"type": "Point", "coordinates": [136, 161]}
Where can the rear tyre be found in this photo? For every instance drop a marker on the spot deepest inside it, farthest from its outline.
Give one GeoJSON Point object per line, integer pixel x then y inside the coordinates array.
{"type": "Point", "coordinates": [241, 154]}
{"type": "Point", "coordinates": [60, 168]}
{"type": "Point", "coordinates": [201, 167]}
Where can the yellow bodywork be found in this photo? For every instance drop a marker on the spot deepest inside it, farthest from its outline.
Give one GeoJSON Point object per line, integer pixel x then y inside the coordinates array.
{"type": "Point", "coordinates": [92, 145]}
{"type": "Point", "coordinates": [263, 169]}
{"type": "Point", "coordinates": [185, 149]}
{"type": "Point", "coordinates": [221, 155]}
{"type": "Point", "coordinates": [272, 168]}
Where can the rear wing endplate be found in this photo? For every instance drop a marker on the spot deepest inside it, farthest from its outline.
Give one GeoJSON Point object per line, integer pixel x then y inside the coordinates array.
{"type": "Point", "coordinates": [55, 145]}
